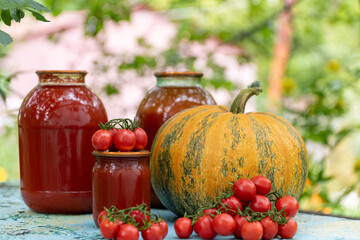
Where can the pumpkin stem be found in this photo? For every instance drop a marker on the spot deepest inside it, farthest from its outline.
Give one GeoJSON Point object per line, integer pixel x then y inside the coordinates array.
{"type": "Point", "coordinates": [238, 105]}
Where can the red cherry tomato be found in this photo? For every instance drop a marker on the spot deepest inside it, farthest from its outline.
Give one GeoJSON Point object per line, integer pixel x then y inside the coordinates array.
{"type": "Point", "coordinates": [102, 140]}
{"type": "Point", "coordinates": [124, 140]}
{"type": "Point", "coordinates": [101, 217]}
{"type": "Point", "coordinates": [260, 204]}
{"type": "Point", "coordinates": [263, 185]}
{"type": "Point", "coordinates": [113, 131]}
{"type": "Point", "coordinates": [141, 138]}
{"type": "Point", "coordinates": [224, 224]}
{"type": "Point", "coordinates": [239, 221]}
{"type": "Point", "coordinates": [244, 190]}
{"type": "Point", "coordinates": [211, 212]}
{"type": "Point", "coordinates": [108, 229]}
{"type": "Point", "coordinates": [183, 227]}
{"type": "Point", "coordinates": [251, 231]}
{"type": "Point", "coordinates": [139, 217]}
{"type": "Point", "coordinates": [204, 228]}
{"type": "Point", "coordinates": [231, 205]}
{"type": "Point", "coordinates": [291, 206]}
{"type": "Point", "coordinates": [270, 228]}
{"type": "Point", "coordinates": [164, 228]}
{"type": "Point", "coordinates": [154, 232]}
{"type": "Point", "coordinates": [127, 232]}
{"type": "Point", "coordinates": [289, 229]}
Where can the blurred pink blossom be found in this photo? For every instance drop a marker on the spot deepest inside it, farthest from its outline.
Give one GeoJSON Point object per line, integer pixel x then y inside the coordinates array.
{"type": "Point", "coordinates": [62, 45]}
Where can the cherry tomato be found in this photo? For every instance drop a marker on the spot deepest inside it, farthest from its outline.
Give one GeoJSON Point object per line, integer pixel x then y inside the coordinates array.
{"type": "Point", "coordinates": [164, 228]}
{"type": "Point", "coordinates": [108, 229]}
{"type": "Point", "coordinates": [270, 228]}
{"type": "Point", "coordinates": [124, 140]}
{"type": "Point", "coordinates": [263, 185]}
{"type": "Point", "coordinates": [101, 217]}
{"type": "Point", "coordinates": [251, 231]}
{"type": "Point", "coordinates": [113, 131]}
{"type": "Point", "coordinates": [183, 228]}
{"type": "Point", "coordinates": [211, 212]}
{"type": "Point", "coordinates": [244, 189]}
{"type": "Point", "coordinates": [154, 232]}
{"type": "Point", "coordinates": [102, 140]}
{"type": "Point", "coordinates": [141, 138]}
{"type": "Point", "coordinates": [291, 206]}
{"type": "Point", "coordinates": [127, 232]}
{"type": "Point", "coordinates": [239, 221]}
{"type": "Point", "coordinates": [260, 204]}
{"type": "Point", "coordinates": [289, 229]}
{"type": "Point", "coordinates": [224, 224]}
{"type": "Point", "coordinates": [204, 228]}
{"type": "Point", "coordinates": [232, 204]}
{"type": "Point", "coordinates": [139, 217]}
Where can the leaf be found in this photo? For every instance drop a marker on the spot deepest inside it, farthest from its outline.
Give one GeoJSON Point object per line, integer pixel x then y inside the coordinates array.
{"type": "Point", "coordinates": [37, 6]}
{"type": "Point", "coordinates": [17, 14]}
{"type": "Point", "coordinates": [3, 93]}
{"type": "Point", "coordinates": [6, 17]}
{"type": "Point", "coordinates": [13, 4]}
{"type": "Point", "coordinates": [38, 16]}
{"type": "Point", "coordinates": [4, 86]}
{"type": "Point", "coordinates": [5, 38]}
{"type": "Point", "coordinates": [21, 4]}
{"type": "Point", "coordinates": [342, 134]}
{"type": "Point", "coordinates": [110, 90]}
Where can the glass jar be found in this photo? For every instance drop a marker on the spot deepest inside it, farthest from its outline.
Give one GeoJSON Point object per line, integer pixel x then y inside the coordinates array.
{"type": "Point", "coordinates": [121, 179]}
{"type": "Point", "coordinates": [174, 91]}
{"type": "Point", "coordinates": [56, 121]}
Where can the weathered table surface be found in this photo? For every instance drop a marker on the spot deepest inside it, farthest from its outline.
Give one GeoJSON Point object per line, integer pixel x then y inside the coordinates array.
{"type": "Point", "coordinates": [18, 222]}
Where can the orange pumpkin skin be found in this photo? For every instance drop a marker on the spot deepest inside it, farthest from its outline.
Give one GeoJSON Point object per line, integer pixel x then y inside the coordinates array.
{"type": "Point", "coordinates": [199, 151]}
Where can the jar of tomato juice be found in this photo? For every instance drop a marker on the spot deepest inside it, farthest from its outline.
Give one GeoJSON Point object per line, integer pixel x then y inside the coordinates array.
{"type": "Point", "coordinates": [174, 92]}
{"type": "Point", "coordinates": [121, 179]}
{"type": "Point", "coordinates": [56, 121]}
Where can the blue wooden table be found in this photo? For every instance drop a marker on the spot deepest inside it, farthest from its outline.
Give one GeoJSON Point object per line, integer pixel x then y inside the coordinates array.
{"type": "Point", "coordinates": [18, 222]}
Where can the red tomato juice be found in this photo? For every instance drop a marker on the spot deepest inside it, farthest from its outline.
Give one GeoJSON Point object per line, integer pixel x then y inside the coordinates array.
{"type": "Point", "coordinates": [56, 122]}
{"type": "Point", "coordinates": [161, 103]}
{"type": "Point", "coordinates": [174, 92]}
{"type": "Point", "coordinates": [121, 179]}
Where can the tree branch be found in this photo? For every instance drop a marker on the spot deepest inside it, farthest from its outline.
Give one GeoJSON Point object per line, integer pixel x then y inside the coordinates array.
{"type": "Point", "coordinates": [282, 49]}
{"type": "Point", "coordinates": [263, 23]}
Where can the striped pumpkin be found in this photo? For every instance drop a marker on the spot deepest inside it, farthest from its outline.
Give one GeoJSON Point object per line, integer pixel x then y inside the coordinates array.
{"type": "Point", "coordinates": [200, 150]}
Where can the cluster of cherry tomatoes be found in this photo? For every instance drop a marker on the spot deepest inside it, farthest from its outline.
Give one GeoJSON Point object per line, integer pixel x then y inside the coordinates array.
{"type": "Point", "coordinates": [127, 224]}
{"type": "Point", "coordinates": [247, 213]}
{"type": "Point", "coordinates": [119, 135]}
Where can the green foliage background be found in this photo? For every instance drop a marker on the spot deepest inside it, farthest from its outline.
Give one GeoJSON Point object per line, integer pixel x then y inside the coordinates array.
{"type": "Point", "coordinates": [14, 11]}
{"type": "Point", "coordinates": [324, 65]}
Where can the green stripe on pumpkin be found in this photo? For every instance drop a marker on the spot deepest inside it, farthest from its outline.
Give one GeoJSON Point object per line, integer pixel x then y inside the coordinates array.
{"type": "Point", "coordinates": [212, 146]}
{"type": "Point", "coordinates": [303, 156]}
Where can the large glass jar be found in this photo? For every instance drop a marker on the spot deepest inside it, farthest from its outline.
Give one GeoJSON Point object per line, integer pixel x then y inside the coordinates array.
{"type": "Point", "coordinates": [174, 91]}
{"type": "Point", "coordinates": [56, 121]}
{"type": "Point", "coordinates": [120, 179]}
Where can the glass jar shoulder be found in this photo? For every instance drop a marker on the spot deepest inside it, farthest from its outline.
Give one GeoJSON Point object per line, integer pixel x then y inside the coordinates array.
{"type": "Point", "coordinates": [61, 104]}
{"type": "Point", "coordinates": [177, 94]}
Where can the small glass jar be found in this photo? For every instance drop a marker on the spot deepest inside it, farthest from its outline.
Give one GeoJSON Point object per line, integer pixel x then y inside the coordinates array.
{"type": "Point", "coordinates": [174, 92]}
{"type": "Point", "coordinates": [56, 121]}
{"type": "Point", "coordinates": [121, 179]}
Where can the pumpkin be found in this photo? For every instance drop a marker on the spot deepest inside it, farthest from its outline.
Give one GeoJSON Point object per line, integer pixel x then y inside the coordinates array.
{"type": "Point", "coordinates": [199, 151]}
